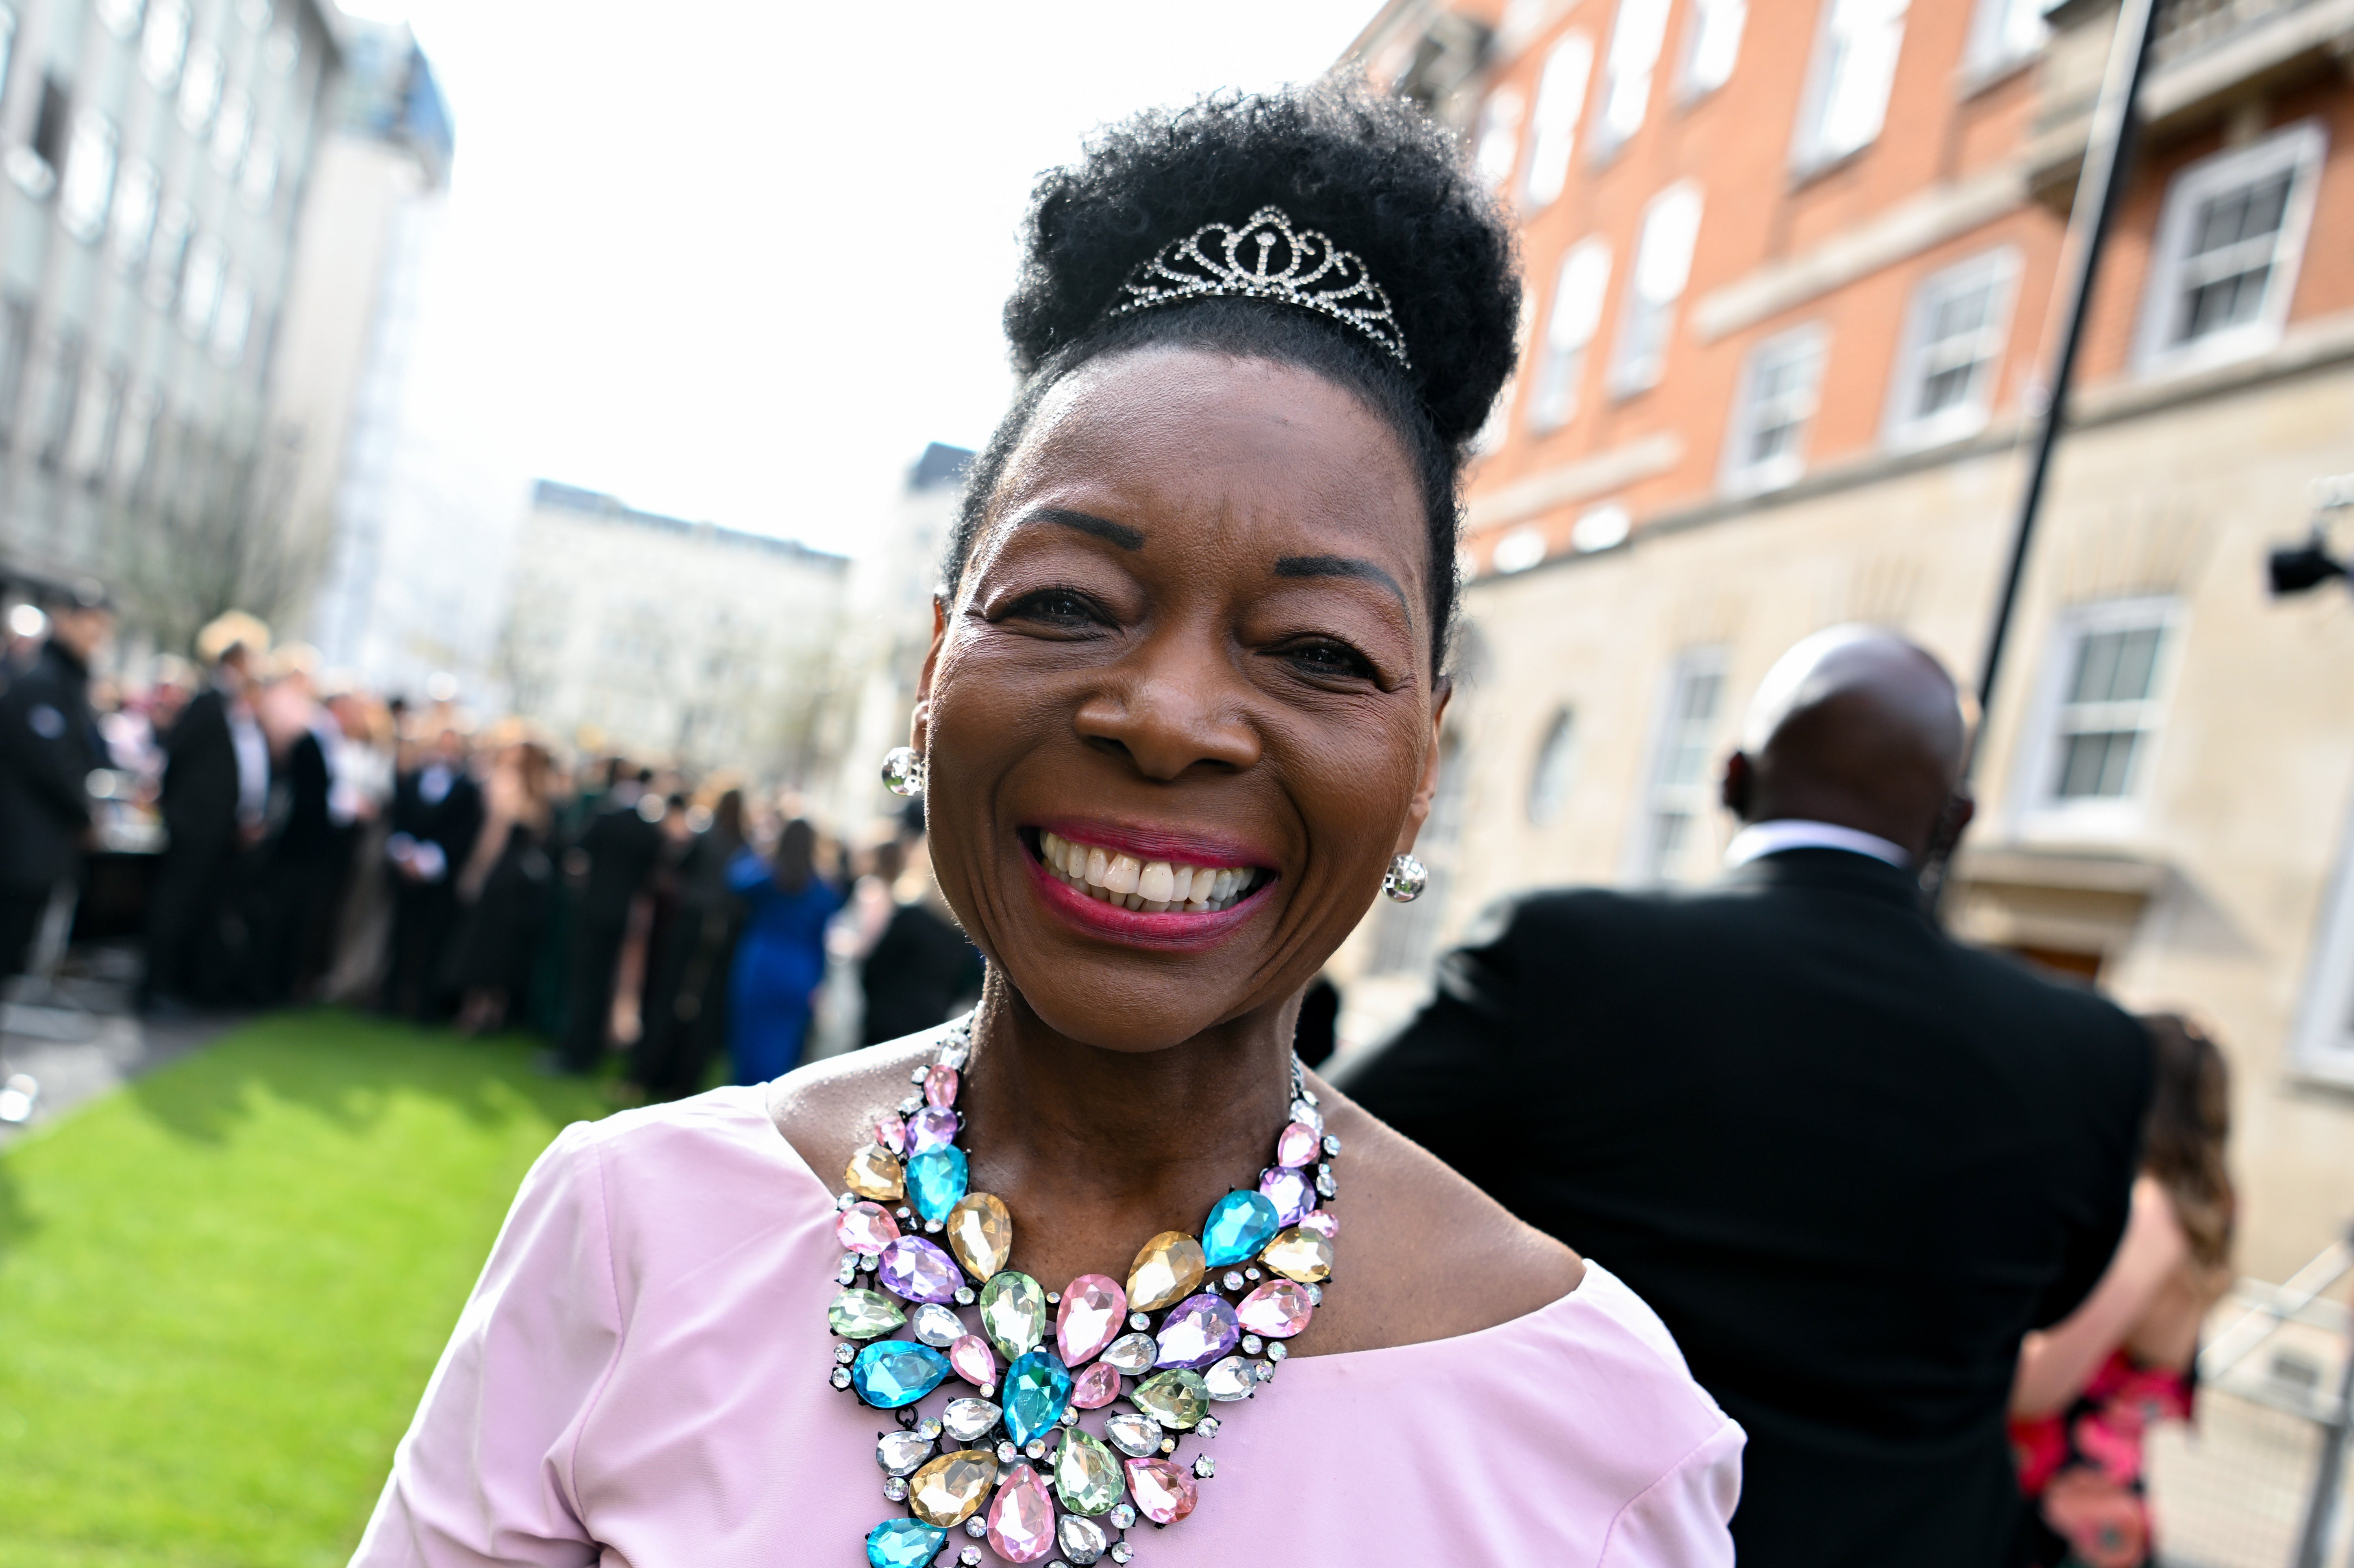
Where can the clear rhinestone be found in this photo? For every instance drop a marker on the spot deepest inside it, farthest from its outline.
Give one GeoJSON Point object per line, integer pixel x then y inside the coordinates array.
{"type": "Point", "coordinates": [964, 1296]}
{"type": "Point", "coordinates": [1123, 1518]}
{"type": "Point", "coordinates": [1234, 1279]}
{"type": "Point", "coordinates": [970, 1555]}
{"type": "Point", "coordinates": [1332, 1145]}
{"type": "Point", "coordinates": [1070, 1417]}
{"type": "Point", "coordinates": [1007, 1453]}
{"type": "Point", "coordinates": [1302, 1111]}
{"type": "Point", "coordinates": [977, 1527]}
{"type": "Point", "coordinates": [916, 1075]}
{"type": "Point", "coordinates": [1168, 1444]}
{"type": "Point", "coordinates": [1206, 1466]}
{"type": "Point", "coordinates": [1252, 1345]}
{"type": "Point", "coordinates": [969, 1420]}
{"type": "Point", "coordinates": [869, 1264]}
{"type": "Point", "coordinates": [840, 1378]}
{"type": "Point", "coordinates": [845, 1274]}
{"type": "Point", "coordinates": [1316, 1296]}
{"type": "Point", "coordinates": [845, 1200]}
{"type": "Point", "coordinates": [933, 1227]}
{"type": "Point", "coordinates": [1276, 1352]}
{"type": "Point", "coordinates": [1121, 1550]}
{"type": "Point", "coordinates": [895, 1489]}
{"type": "Point", "coordinates": [843, 1354]}
{"type": "Point", "coordinates": [1209, 1427]}
{"type": "Point", "coordinates": [1139, 1321]}
{"type": "Point", "coordinates": [911, 1105]}
{"type": "Point", "coordinates": [1263, 1371]}
{"type": "Point", "coordinates": [906, 1213]}
{"type": "Point", "coordinates": [1053, 1298]}
{"type": "Point", "coordinates": [937, 1325]}
{"type": "Point", "coordinates": [1035, 1448]}
{"type": "Point", "coordinates": [1324, 1168]}
{"type": "Point", "coordinates": [929, 1429]}
{"type": "Point", "coordinates": [1324, 1187]}
{"type": "Point", "coordinates": [1250, 1273]}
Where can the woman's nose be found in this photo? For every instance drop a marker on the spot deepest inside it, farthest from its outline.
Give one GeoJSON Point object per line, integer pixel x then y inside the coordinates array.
{"type": "Point", "coordinates": [1173, 705]}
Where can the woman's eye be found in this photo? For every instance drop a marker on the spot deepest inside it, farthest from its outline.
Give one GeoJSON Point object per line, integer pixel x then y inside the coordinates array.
{"type": "Point", "coordinates": [1329, 659]}
{"type": "Point", "coordinates": [1058, 607]}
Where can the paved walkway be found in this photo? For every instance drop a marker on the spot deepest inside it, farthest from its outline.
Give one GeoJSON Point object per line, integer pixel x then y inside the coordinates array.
{"type": "Point", "coordinates": [85, 1040]}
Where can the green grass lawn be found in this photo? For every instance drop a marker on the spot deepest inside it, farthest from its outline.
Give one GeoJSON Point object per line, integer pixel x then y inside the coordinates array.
{"type": "Point", "coordinates": [222, 1290]}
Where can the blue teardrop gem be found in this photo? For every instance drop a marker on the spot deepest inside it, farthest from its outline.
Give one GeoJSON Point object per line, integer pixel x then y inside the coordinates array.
{"type": "Point", "coordinates": [1037, 1391]}
{"type": "Point", "coordinates": [1240, 1224]}
{"type": "Point", "coordinates": [904, 1543]}
{"type": "Point", "coordinates": [936, 1181]}
{"type": "Point", "coordinates": [889, 1373]}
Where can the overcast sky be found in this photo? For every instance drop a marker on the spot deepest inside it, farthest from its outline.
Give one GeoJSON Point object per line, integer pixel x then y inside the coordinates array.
{"type": "Point", "coordinates": [741, 261]}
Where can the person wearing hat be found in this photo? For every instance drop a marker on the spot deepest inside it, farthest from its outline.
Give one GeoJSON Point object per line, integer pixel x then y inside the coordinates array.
{"type": "Point", "coordinates": [215, 791]}
{"type": "Point", "coordinates": [49, 743]}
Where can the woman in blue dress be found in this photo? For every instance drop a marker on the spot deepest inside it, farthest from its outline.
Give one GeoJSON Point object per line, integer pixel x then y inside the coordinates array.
{"type": "Point", "coordinates": [781, 956]}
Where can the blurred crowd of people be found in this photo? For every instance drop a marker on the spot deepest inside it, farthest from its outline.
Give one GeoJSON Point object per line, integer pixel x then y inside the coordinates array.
{"type": "Point", "coordinates": [310, 841]}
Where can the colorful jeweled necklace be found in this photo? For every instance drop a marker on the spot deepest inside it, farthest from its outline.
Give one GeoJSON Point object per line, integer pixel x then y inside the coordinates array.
{"type": "Point", "coordinates": [1016, 1468]}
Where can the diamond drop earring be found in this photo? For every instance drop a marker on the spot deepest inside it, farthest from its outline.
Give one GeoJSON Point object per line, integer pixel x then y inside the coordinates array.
{"type": "Point", "coordinates": [1406, 879]}
{"type": "Point", "coordinates": [903, 771]}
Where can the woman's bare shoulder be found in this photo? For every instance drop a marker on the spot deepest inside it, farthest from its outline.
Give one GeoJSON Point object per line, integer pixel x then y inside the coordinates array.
{"type": "Point", "coordinates": [1427, 1255]}
{"type": "Point", "coordinates": [826, 1110]}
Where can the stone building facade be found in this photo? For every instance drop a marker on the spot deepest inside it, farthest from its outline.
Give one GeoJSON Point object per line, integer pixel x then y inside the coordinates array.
{"type": "Point", "coordinates": [1792, 270]}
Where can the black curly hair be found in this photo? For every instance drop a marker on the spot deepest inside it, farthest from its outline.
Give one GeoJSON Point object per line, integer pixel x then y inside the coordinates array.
{"type": "Point", "coordinates": [1369, 171]}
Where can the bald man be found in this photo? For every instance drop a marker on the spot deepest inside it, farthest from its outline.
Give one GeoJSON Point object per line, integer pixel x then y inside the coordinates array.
{"type": "Point", "coordinates": [1848, 1160]}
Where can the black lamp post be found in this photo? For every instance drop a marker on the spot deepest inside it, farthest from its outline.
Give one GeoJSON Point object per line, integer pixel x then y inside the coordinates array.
{"type": "Point", "coordinates": [2300, 568]}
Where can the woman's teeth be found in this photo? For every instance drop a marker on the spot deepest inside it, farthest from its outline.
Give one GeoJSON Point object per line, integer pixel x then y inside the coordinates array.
{"type": "Point", "coordinates": [1152, 885]}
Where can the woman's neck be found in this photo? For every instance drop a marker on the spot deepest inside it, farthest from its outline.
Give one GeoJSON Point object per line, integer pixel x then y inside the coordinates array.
{"type": "Point", "coordinates": [1105, 1147]}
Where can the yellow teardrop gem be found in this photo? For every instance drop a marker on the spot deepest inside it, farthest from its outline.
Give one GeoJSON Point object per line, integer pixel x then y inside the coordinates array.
{"type": "Point", "coordinates": [1299, 1254]}
{"type": "Point", "coordinates": [946, 1491]}
{"type": "Point", "coordinates": [981, 1233]}
{"type": "Point", "coordinates": [1170, 1266]}
{"type": "Point", "coordinates": [874, 1173]}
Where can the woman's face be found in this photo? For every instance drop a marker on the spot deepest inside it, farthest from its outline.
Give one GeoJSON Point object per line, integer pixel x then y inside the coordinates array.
{"type": "Point", "coordinates": [1188, 667]}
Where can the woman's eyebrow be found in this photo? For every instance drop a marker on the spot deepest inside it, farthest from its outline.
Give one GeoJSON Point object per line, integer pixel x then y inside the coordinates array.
{"type": "Point", "coordinates": [1120, 533]}
{"type": "Point", "coordinates": [1341, 567]}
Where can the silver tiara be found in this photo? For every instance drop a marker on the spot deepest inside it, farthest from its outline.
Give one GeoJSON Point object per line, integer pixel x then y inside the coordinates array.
{"type": "Point", "coordinates": [1266, 258]}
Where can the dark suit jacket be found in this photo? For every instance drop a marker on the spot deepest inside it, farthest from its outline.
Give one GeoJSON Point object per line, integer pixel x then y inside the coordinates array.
{"type": "Point", "coordinates": [454, 821]}
{"type": "Point", "coordinates": [300, 788]}
{"type": "Point", "coordinates": [623, 850]}
{"type": "Point", "coordinates": [49, 743]}
{"type": "Point", "coordinates": [1847, 1159]}
{"type": "Point", "coordinates": [200, 783]}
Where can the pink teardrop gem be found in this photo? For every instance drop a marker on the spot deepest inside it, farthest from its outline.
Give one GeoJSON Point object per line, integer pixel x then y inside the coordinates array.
{"type": "Point", "coordinates": [1324, 1222]}
{"type": "Point", "coordinates": [1089, 1317]}
{"type": "Point", "coordinates": [941, 1087]}
{"type": "Point", "coordinates": [891, 1132]}
{"type": "Point", "coordinates": [1297, 1144]}
{"type": "Point", "coordinates": [934, 1127]}
{"type": "Point", "coordinates": [1278, 1309]}
{"type": "Point", "coordinates": [1096, 1387]}
{"type": "Point", "coordinates": [1021, 1520]}
{"type": "Point", "coordinates": [971, 1358]}
{"type": "Point", "coordinates": [866, 1228]}
{"type": "Point", "coordinates": [1163, 1493]}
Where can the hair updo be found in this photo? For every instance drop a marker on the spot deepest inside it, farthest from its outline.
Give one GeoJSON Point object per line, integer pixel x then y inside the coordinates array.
{"type": "Point", "coordinates": [1372, 173]}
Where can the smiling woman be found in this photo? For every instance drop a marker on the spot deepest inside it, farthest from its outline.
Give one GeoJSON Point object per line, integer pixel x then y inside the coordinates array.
{"type": "Point", "coordinates": [1178, 721]}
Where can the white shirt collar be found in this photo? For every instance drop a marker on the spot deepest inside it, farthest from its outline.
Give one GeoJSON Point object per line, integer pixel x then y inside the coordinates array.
{"type": "Point", "coordinates": [1761, 839]}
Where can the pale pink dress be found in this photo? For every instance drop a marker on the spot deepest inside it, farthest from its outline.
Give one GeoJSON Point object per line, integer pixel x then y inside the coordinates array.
{"type": "Point", "coordinates": [641, 1379]}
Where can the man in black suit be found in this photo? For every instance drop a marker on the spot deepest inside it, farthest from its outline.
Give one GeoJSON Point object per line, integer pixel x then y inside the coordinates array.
{"type": "Point", "coordinates": [300, 877]}
{"type": "Point", "coordinates": [215, 795]}
{"type": "Point", "coordinates": [49, 743]}
{"type": "Point", "coordinates": [1848, 1161]}
{"type": "Point", "coordinates": [436, 814]}
{"type": "Point", "coordinates": [613, 861]}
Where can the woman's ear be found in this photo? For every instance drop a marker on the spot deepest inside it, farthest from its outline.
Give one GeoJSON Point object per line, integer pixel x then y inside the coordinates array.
{"type": "Point", "coordinates": [1418, 810]}
{"type": "Point", "coordinates": [919, 724]}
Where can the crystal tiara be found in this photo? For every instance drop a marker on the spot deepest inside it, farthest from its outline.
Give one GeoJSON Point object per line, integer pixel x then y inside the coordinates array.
{"type": "Point", "coordinates": [1266, 258]}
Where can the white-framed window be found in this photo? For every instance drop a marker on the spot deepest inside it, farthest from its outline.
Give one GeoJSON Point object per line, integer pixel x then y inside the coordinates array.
{"type": "Point", "coordinates": [232, 323]}
{"type": "Point", "coordinates": [200, 90]}
{"type": "Point", "coordinates": [1496, 148]}
{"type": "Point", "coordinates": [2228, 241]}
{"type": "Point", "coordinates": [135, 437]}
{"type": "Point", "coordinates": [89, 185]}
{"type": "Point", "coordinates": [1951, 352]}
{"type": "Point", "coordinates": [137, 191]}
{"type": "Point", "coordinates": [1854, 70]}
{"type": "Point", "coordinates": [259, 184]}
{"type": "Point", "coordinates": [2102, 709]}
{"type": "Point", "coordinates": [1711, 45]}
{"type": "Point", "coordinates": [165, 45]}
{"type": "Point", "coordinates": [2323, 1044]}
{"type": "Point", "coordinates": [2004, 32]}
{"type": "Point", "coordinates": [231, 131]}
{"type": "Point", "coordinates": [1636, 38]}
{"type": "Point", "coordinates": [1781, 381]}
{"type": "Point", "coordinates": [1570, 326]}
{"type": "Point", "coordinates": [167, 254]}
{"type": "Point", "coordinates": [1662, 267]}
{"type": "Point", "coordinates": [200, 285]}
{"type": "Point", "coordinates": [122, 16]}
{"type": "Point", "coordinates": [1553, 127]}
{"type": "Point", "coordinates": [1555, 769]}
{"type": "Point", "coordinates": [93, 425]}
{"type": "Point", "coordinates": [1676, 798]}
